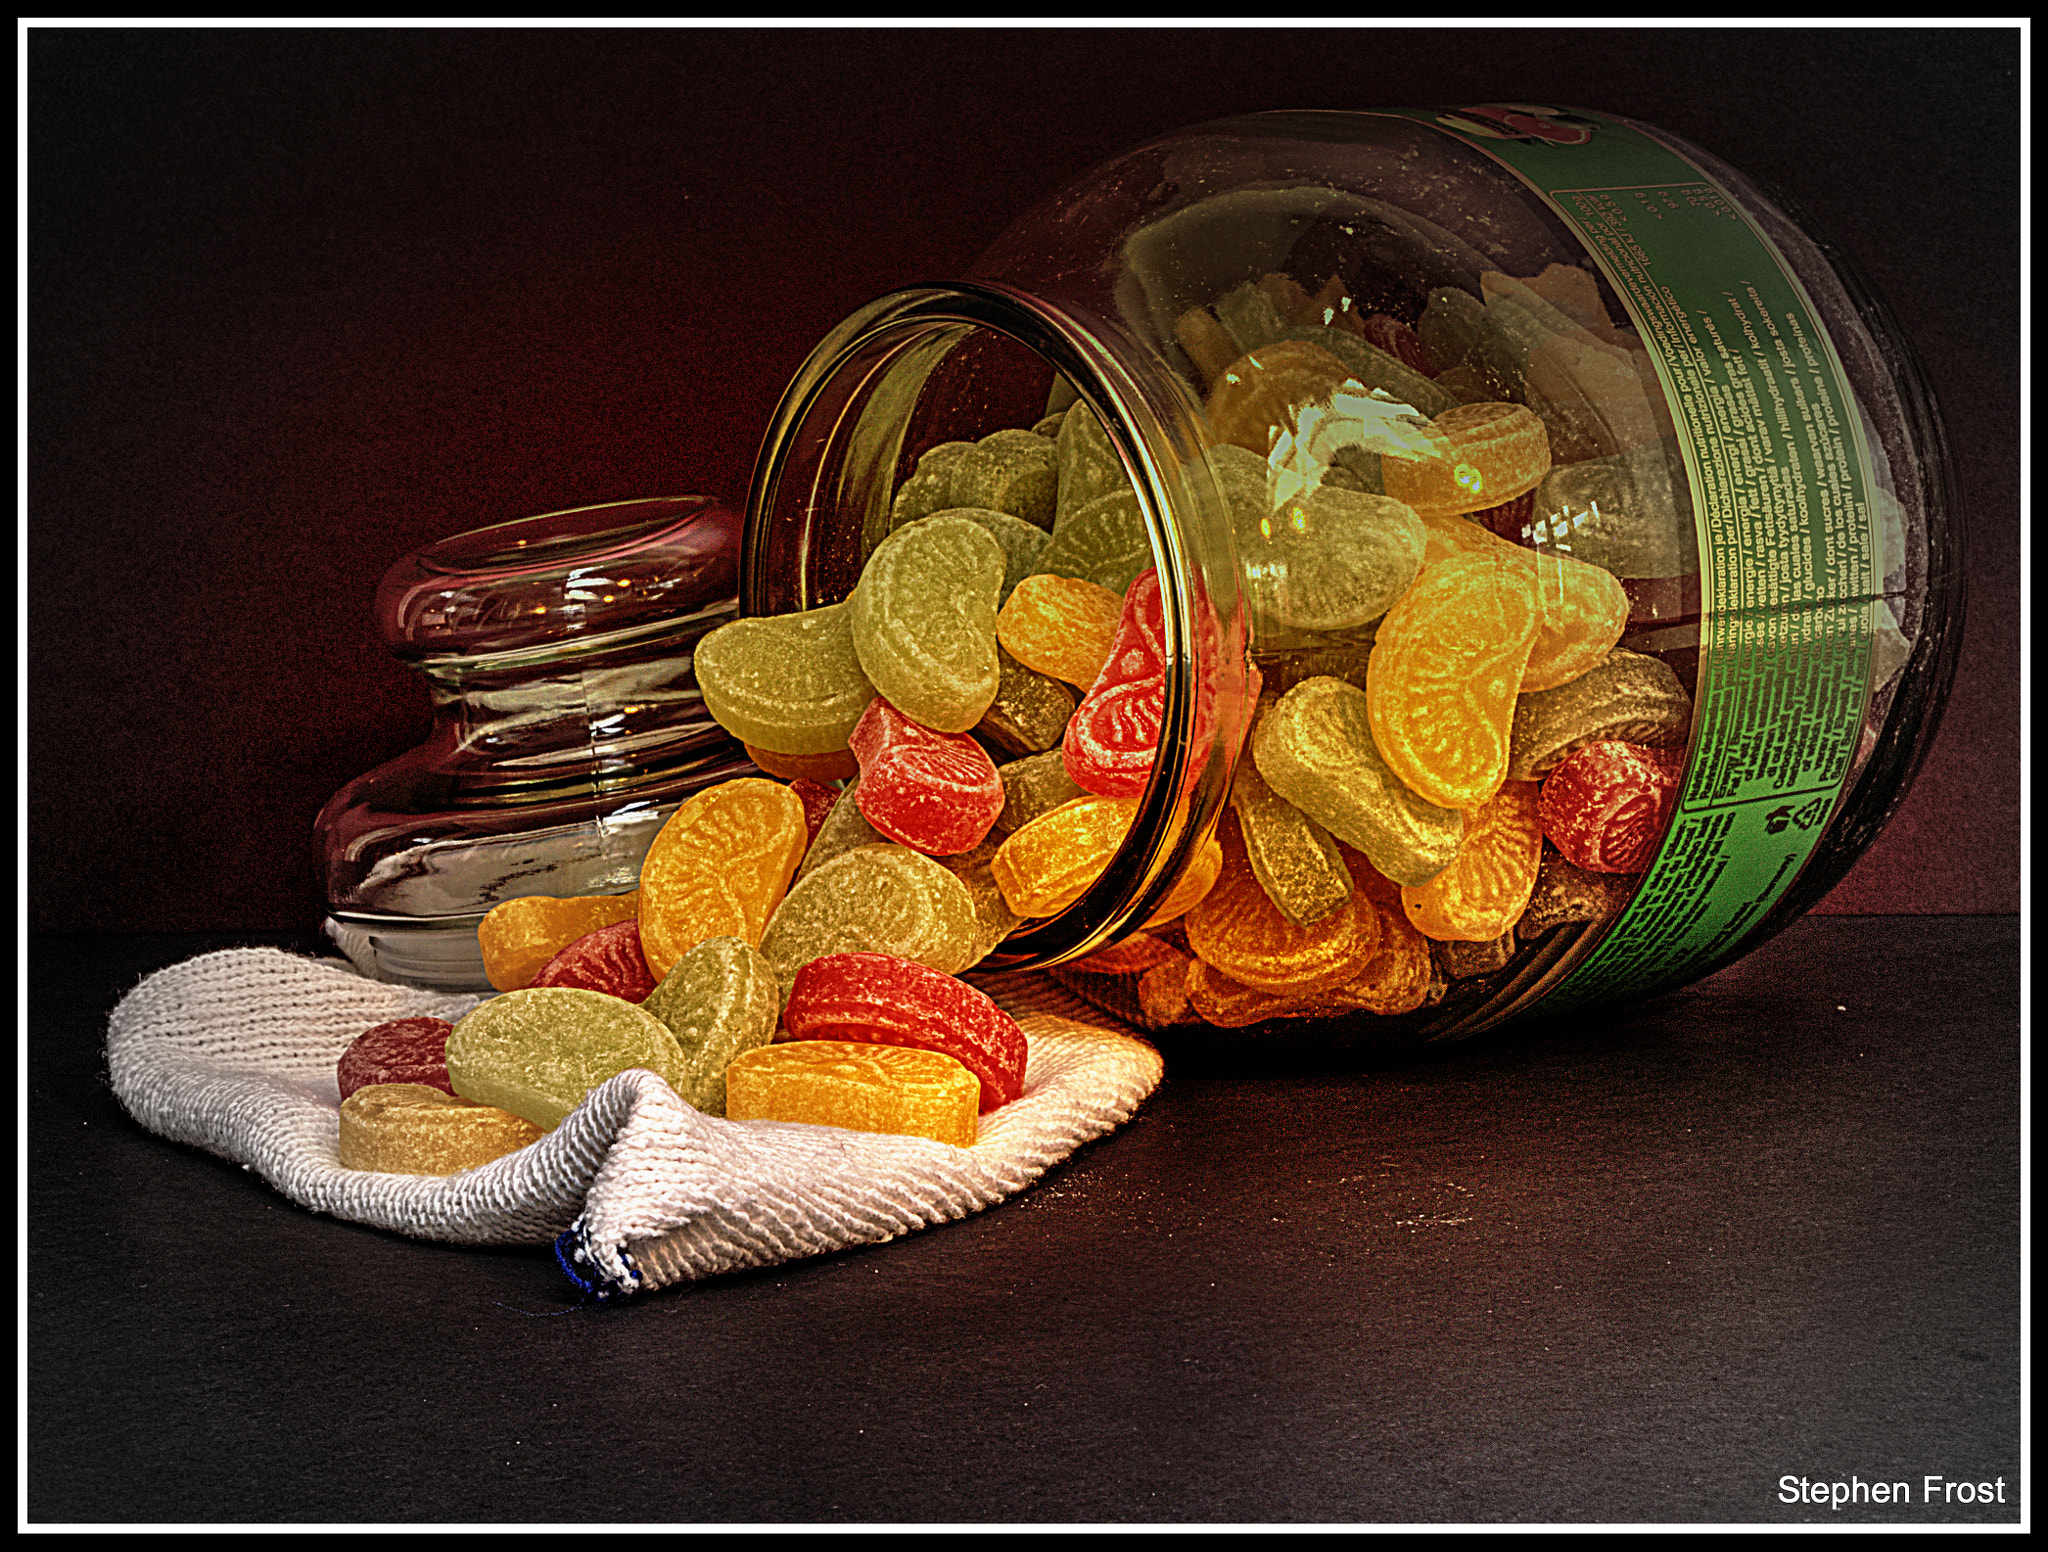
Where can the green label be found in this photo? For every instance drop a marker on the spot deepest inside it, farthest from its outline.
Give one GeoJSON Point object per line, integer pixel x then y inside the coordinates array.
{"type": "Point", "coordinates": [1780, 480]}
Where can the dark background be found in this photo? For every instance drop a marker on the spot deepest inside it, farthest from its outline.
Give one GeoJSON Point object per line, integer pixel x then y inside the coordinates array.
{"type": "Point", "coordinates": [303, 300]}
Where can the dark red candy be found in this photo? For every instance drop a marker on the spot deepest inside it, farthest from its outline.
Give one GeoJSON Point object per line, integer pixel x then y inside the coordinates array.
{"type": "Point", "coordinates": [1398, 340]}
{"type": "Point", "coordinates": [608, 960]}
{"type": "Point", "coordinates": [412, 1050]}
{"type": "Point", "coordinates": [938, 793]}
{"type": "Point", "coordinates": [1606, 805]}
{"type": "Point", "coordinates": [817, 799]}
{"type": "Point", "coordinates": [1511, 520]}
{"type": "Point", "coordinates": [880, 999]}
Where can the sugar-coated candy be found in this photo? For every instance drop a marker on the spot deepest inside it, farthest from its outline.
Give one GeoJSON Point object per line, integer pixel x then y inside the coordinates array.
{"type": "Point", "coordinates": [607, 960]}
{"type": "Point", "coordinates": [1113, 736]}
{"type": "Point", "coordinates": [844, 827]}
{"type": "Point", "coordinates": [1012, 471]}
{"type": "Point", "coordinates": [1090, 467]}
{"type": "Point", "coordinates": [1327, 560]}
{"type": "Point", "coordinates": [409, 1050]}
{"type": "Point", "coordinates": [1296, 861]}
{"type": "Point", "coordinates": [1484, 890]}
{"type": "Point", "coordinates": [1398, 340]}
{"type": "Point", "coordinates": [1491, 453]}
{"type": "Point", "coordinates": [1315, 747]}
{"type": "Point", "coordinates": [788, 683]}
{"type": "Point", "coordinates": [937, 793]}
{"type": "Point", "coordinates": [1037, 784]}
{"type": "Point", "coordinates": [1023, 543]}
{"type": "Point", "coordinates": [519, 936]}
{"type": "Point", "coordinates": [1049, 426]}
{"type": "Point", "coordinates": [928, 488]}
{"type": "Point", "coordinates": [1103, 541]}
{"type": "Point", "coordinates": [1251, 314]}
{"type": "Point", "coordinates": [720, 999]}
{"type": "Point", "coordinates": [1260, 396]}
{"type": "Point", "coordinates": [833, 765]}
{"type": "Point", "coordinates": [1209, 346]}
{"type": "Point", "coordinates": [1446, 665]}
{"type": "Point", "coordinates": [1046, 865]}
{"type": "Point", "coordinates": [418, 1129]}
{"type": "Point", "coordinates": [882, 999]}
{"type": "Point", "coordinates": [719, 867]}
{"type": "Point", "coordinates": [888, 899]}
{"type": "Point", "coordinates": [1605, 806]}
{"type": "Point", "coordinates": [817, 799]}
{"type": "Point", "coordinates": [1325, 657]}
{"type": "Point", "coordinates": [1237, 928]}
{"type": "Point", "coordinates": [1625, 697]}
{"type": "Point", "coordinates": [1030, 711]}
{"type": "Point", "coordinates": [1402, 976]}
{"type": "Point", "coordinates": [862, 1087]}
{"type": "Point", "coordinates": [1377, 369]}
{"type": "Point", "coordinates": [1622, 514]}
{"type": "Point", "coordinates": [994, 920]}
{"type": "Point", "coordinates": [1062, 626]}
{"type": "Point", "coordinates": [924, 620]}
{"type": "Point", "coordinates": [1593, 400]}
{"type": "Point", "coordinates": [537, 1052]}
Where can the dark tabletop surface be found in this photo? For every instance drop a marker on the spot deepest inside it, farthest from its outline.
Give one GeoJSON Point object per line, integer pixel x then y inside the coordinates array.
{"type": "Point", "coordinates": [1635, 1269]}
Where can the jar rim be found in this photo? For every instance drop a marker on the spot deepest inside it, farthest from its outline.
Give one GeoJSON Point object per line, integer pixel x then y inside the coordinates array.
{"type": "Point", "coordinates": [559, 542]}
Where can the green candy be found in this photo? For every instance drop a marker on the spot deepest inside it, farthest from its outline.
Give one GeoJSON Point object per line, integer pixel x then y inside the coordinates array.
{"type": "Point", "coordinates": [1330, 560]}
{"type": "Point", "coordinates": [1315, 748]}
{"type": "Point", "coordinates": [719, 999]}
{"type": "Point", "coordinates": [883, 899]}
{"type": "Point", "coordinates": [537, 1052]}
{"type": "Point", "coordinates": [1621, 513]}
{"type": "Point", "coordinates": [1030, 710]}
{"type": "Point", "coordinates": [1624, 698]}
{"type": "Point", "coordinates": [1450, 326]}
{"type": "Point", "coordinates": [1034, 785]}
{"type": "Point", "coordinates": [1089, 465]}
{"type": "Point", "coordinates": [791, 683]}
{"type": "Point", "coordinates": [1011, 471]}
{"type": "Point", "coordinates": [1376, 369]}
{"type": "Point", "coordinates": [1023, 544]}
{"type": "Point", "coordinates": [924, 621]}
{"type": "Point", "coordinates": [929, 487]}
{"type": "Point", "coordinates": [1103, 542]}
{"type": "Point", "coordinates": [1295, 860]}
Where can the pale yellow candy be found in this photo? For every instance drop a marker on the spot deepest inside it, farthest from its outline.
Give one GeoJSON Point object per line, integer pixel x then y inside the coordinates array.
{"type": "Point", "coordinates": [415, 1129]}
{"type": "Point", "coordinates": [537, 1052]}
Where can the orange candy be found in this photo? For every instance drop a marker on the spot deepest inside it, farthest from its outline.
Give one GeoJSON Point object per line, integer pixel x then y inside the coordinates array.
{"type": "Point", "coordinates": [518, 937]}
{"type": "Point", "coordinates": [1263, 392]}
{"type": "Point", "coordinates": [1062, 626]}
{"type": "Point", "coordinates": [1446, 665]}
{"type": "Point", "coordinates": [1238, 930]}
{"type": "Point", "coordinates": [719, 868]}
{"type": "Point", "coordinates": [1487, 886]}
{"type": "Point", "coordinates": [1494, 452]}
{"type": "Point", "coordinates": [1048, 864]}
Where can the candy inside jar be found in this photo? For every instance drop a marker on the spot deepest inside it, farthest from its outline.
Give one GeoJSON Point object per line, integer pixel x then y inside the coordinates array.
{"type": "Point", "coordinates": [1528, 559]}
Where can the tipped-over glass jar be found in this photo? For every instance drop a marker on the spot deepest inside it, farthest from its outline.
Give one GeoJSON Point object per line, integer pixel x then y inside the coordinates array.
{"type": "Point", "coordinates": [567, 726]}
{"type": "Point", "coordinates": [1552, 536]}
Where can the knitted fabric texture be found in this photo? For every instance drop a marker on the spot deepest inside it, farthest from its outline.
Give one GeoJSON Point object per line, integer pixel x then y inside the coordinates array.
{"type": "Point", "coordinates": [235, 1051]}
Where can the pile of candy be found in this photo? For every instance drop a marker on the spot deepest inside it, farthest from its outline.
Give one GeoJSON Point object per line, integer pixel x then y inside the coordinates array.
{"type": "Point", "coordinates": [1451, 751]}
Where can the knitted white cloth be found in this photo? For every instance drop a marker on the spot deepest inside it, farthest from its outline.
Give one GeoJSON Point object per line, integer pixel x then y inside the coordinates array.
{"type": "Point", "coordinates": [235, 1051]}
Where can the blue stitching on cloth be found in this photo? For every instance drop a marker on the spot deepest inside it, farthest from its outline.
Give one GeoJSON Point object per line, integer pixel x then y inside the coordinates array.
{"type": "Point", "coordinates": [574, 1246]}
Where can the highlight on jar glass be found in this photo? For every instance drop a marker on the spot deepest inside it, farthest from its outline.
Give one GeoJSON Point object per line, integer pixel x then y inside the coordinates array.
{"type": "Point", "coordinates": [1385, 573]}
{"type": "Point", "coordinates": [567, 728]}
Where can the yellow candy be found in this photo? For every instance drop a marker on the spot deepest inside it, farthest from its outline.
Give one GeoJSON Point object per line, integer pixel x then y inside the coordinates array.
{"type": "Point", "coordinates": [414, 1129]}
{"type": "Point", "coordinates": [719, 868]}
{"type": "Point", "coordinates": [519, 937]}
{"type": "Point", "coordinates": [865, 1088]}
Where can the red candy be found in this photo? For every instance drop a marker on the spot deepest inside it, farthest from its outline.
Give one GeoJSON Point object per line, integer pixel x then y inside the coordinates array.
{"type": "Point", "coordinates": [607, 960]}
{"type": "Point", "coordinates": [879, 999]}
{"type": "Point", "coordinates": [1605, 807]}
{"type": "Point", "coordinates": [937, 793]}
{"type": "Point", "coordinates": [1114, 732]}
{"type": "Point", "coordinates": [1400, 341]}
{"type": "Point", "coordinates": [412, 1050]}
{"type": "Point", "coordinates": [817, 799]}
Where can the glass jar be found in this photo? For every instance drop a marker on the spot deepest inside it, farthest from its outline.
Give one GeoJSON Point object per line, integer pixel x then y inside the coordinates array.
{"type": "Point", "coordinates": [567, 726]}
{"type": "Point", "coordinates": [1703, 438]}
